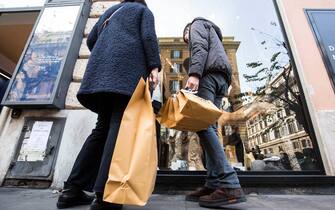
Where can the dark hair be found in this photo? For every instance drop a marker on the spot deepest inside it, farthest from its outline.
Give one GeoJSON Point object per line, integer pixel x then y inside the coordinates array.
{"type": "Point", "coordinates": [138, 1]}
{"type": "Point", "coordinates": [185, 29]}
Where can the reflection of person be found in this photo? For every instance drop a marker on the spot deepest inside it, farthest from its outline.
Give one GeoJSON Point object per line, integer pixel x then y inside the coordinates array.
{"type": "Point", "coordinates": [122, 52]}
{"type": "Point", "coordinates": [309, 161]}
{"type": "Point", "coordinates": [257, 153]}
{"type": "Point", "coordinates": [235, 139]}
{"type": "Point", "coordinates": [210, 75]}
{"type": "Point", "coordinates": [285, 161]}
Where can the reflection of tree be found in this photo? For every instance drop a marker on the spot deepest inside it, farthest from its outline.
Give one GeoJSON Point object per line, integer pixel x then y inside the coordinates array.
{"type": "Point", "coordinates": [246, 112]}
{"type": "Point", "coordinates": [283, 94]}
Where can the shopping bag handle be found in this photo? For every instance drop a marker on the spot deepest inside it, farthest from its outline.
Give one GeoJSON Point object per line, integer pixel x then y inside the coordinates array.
{"type": "Point", "coordinates": [151, 87]}
{"type": "Point", "coordinates": [189, 90]}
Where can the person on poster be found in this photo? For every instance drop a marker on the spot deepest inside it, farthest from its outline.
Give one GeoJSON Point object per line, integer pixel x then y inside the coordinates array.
{"type": "Point", "coordinates": [210, 76]}
{"type": "Point", "coordinates": [124, 48]}
{"type": "Point", "coordinates": [38, 72]}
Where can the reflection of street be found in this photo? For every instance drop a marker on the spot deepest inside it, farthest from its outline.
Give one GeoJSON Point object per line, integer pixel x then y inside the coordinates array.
{"type": "Point", "coordinates": [270, 122]}
{"type": "Point", "coordinates": [185, 152]}
{"type": "Point", "coordinates": [184, 147]}
{"type": "Point", "coordinates": [273, 132]}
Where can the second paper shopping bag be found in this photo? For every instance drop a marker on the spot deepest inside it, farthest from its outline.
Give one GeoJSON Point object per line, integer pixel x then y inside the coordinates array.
{"type": "Point", "coordinates": [133, 168]}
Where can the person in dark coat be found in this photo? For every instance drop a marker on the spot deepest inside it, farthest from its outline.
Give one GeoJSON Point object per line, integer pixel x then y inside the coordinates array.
{"type": "Point", "coordinates": [124, 48]}
{"type": "Point", "coordinates": [235, 140]}
{"type": "Point", "coordinates": [210, 75]}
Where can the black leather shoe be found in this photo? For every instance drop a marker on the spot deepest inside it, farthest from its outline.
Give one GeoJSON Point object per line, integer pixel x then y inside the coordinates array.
{"type": "Point", "coordinates": [73, 197]}
{"type": "Point", "coordinates": [222, 197]}
{"type": "Point", "coordinates": [195, 195]}
{"type": "Point", "coordinates": [98, 204]}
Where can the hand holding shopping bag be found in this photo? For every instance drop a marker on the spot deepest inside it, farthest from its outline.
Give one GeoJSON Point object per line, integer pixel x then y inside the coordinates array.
{"type": "Point", "coordinates": [133, 168]}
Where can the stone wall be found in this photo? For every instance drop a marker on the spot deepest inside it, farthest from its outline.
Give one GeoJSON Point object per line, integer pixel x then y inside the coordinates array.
{"type": "Point", "coordinates": [79, 121]}
{"type": "Point", "coordinates": [97, 9]}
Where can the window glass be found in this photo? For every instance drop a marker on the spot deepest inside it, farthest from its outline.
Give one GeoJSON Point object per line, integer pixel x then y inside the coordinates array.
{"type": "Point", "coordinates": [269, 121]}
{"type": "Point", "coordinates": [176, 68]}
{"type": "Point", "coordinates": [175, 54]}
{"type": "Point", "coordinates": [175, 86]}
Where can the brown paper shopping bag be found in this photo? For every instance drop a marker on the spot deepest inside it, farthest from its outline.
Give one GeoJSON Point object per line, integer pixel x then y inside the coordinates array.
{"type": "Point", "coordinates": [133, 168]}
{"type": "Point", "coordinates": [166, 115]}
{"type": "Point", "coordinates": [185, 122]}
{"type": "Point", "coordinates": [198, 108]}
{"type": "Point", "coordinates": [187, 112]}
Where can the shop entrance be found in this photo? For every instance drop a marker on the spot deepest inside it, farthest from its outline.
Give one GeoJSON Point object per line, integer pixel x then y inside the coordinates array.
{"type": "Point", "coordinates": [15, 29]}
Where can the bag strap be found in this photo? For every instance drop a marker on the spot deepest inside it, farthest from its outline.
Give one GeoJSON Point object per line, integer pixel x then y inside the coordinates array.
{"type": "Point", "coordinates": [105, 23]}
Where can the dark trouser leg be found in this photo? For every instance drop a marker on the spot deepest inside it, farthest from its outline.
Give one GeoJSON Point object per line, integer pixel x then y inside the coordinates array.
{"type": "Point", "coordinates": [219, 172]}
{"type": "Point", "coordinates": [118, 107]}
{"type": "Point", "coordinates": [240, 152]}
{"type": "Point", "coordinates": [86, 166]}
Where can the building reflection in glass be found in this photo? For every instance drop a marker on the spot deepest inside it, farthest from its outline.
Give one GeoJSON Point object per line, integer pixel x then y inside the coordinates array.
{"type": "Point", "coordinates": [265, 127]}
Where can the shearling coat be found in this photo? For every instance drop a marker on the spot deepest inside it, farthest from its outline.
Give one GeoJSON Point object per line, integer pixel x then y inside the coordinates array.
{"type": "Point", "coordinates": [207, 53]}
{"type": "Point", "coordinates": [121, 53]}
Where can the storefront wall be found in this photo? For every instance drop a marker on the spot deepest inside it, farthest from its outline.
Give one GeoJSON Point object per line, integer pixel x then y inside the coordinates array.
{"type": "Point", "coordinates": [71, 146]}
{"type": "Point", "coordinates": [79, 122]}
{"type": "Point", "coordinates": [78, 125]}
{"type": "Point", "coordinates": [313, 75]}
{"type": "Point", "coordinates": [98, 8]}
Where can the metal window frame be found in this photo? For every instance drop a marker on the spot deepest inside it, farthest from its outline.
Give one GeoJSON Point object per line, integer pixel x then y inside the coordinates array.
{"type": "Point", "coordinates": [22, 9]}
{"type": "Point", "coordinates": [305, 108]}
{"type": "Point", "coordinates": [64, 77]}
{"type": "Point", "coordinates": [176, 181]}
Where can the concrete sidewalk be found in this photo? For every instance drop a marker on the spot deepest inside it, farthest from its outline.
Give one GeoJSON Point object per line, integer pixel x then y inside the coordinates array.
{"type": "Point", "coordinates": [27, 199]}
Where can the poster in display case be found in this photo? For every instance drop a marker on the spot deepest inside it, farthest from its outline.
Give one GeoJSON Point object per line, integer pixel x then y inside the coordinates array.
{"type": "Point", "coordinates": [322, 22]}
{"type": "Point", "coordinates": [44, 71]}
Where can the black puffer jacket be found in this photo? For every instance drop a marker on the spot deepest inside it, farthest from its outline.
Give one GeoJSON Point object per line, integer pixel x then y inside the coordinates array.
{"type": "Point", "coordinates": [207, 53]}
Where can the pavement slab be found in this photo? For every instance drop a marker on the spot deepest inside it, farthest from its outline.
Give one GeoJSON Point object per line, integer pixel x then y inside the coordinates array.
{"type": "Point", "coordinates": [31, 199]}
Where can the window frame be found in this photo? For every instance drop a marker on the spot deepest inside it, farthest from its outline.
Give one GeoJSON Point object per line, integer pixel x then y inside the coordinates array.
{"type": "Point", "coordinates": [64, 76]}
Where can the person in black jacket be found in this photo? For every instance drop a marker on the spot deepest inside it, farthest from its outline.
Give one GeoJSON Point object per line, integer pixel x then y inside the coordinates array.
{"type": "Point", "coordinates": [124, 48]}
{"type": "Point", "coordinates": [210, 75]}
{"type": "Point", "coordinates": [235, 140]}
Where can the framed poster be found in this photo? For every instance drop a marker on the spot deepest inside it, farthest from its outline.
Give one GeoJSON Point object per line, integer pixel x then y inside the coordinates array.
{"type": "Point", "coordinates": [323, 25]}
{"type": "Point", "coordinates": [45, 68]}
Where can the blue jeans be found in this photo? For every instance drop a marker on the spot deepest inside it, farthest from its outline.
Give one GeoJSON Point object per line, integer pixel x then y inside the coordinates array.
{"type": "Point", "coordinates": [213, 87]}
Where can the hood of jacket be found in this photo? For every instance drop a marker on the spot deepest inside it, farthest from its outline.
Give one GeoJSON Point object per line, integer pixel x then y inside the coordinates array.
{"type": "Point", "coordinates": [216, 28]}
